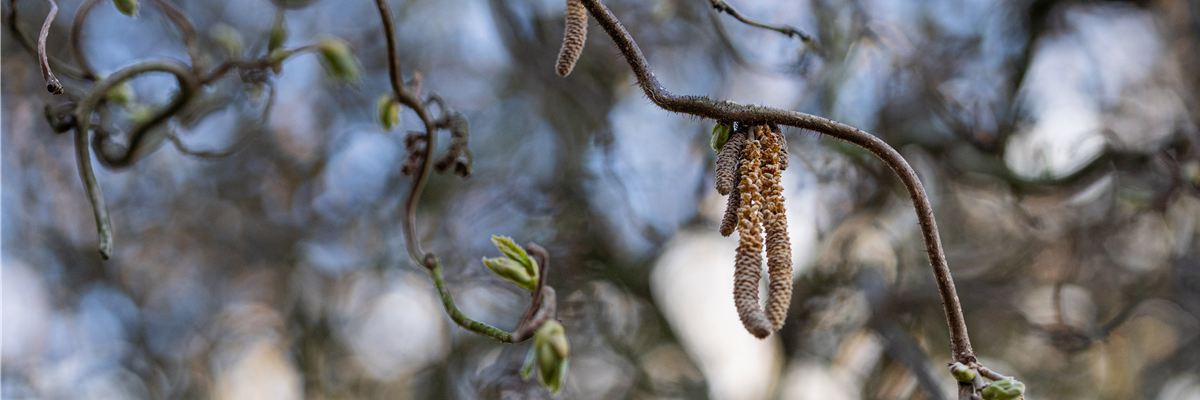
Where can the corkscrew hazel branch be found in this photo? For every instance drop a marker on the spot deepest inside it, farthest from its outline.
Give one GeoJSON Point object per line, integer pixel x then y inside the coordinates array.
{"type": "Point", "coordinates": [706, 107]}
{"type": "Point", "coordinates": [542, 306]}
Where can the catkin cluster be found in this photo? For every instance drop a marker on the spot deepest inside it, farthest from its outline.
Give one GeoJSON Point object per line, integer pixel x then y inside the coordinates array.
{"type": "Point", "coordinates": [574, 36]}
{"type": "Point", "coordinates": [754, 157]}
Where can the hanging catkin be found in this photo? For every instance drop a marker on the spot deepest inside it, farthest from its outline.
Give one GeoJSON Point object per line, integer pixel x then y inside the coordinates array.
{"type": "Point", "coordinates": [727, 163]}
{"type": "Point", "coordinates": [748, 264]}
{"type": "Point", "coordinates": [573, 37]}
{"type": "Point", "coordinates": [779, 247]}
{"type": "Point", "coordinates": [729, 222]}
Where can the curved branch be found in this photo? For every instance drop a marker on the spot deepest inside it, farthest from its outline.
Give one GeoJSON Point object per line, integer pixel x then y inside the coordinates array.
{"type": "Point", "coordinates": [85, 68]}
{"type": "Point", "coordinates": [83, 115]}
{"type": "Point", "coordinates": [56, 64]}
{"type": "Point", "coordinates": [705, 107]}
{"type": "Point", "coordinates": [52, 83]}
{"type": "Point", "coordinates": [136, 147]}
{"type": "Point", "coordinates": [185, 28]}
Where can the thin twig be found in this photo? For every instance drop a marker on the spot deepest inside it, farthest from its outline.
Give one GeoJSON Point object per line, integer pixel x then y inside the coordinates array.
{"type": "Point", "coordinates": [52, 83]}
{"type": "Point", "coordinates": [408, 99]}
{"type": "Point", "coordinates": [788, 30]}
{"type": "Point", "coordinates": [83, 115]}
{"type": "Point", "coordinates": [411, 239]}
{"type": "Point", "coordinates": [185, 29]}
{"type": "Point", "coordinates": [63, 68]}
{"type": "Point", "coordinates": [85, 68]}
{"type": "Point", "coordinates": [705, 107]}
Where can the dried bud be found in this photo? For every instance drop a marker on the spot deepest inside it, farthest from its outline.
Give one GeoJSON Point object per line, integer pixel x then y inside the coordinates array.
{"type": "Point", "coordinates": [415, 144]}
{"type": "Point", "coordinates": [574, 36]}
{"type": "Point", "coordinates": [340, 61]}
{"type": "Point", "coordinates": [962, 372]}
{"type": "Point", "coordinates": [726, 177]}
{"type": "Point", "coordinates": [121, 94]}
{"type": "Point", "coordinates": [457, 154]}
{"type": "Point", "coordinates": [388, 110]}
{"type": "Point", "coordinates": [278, 33]}
{"type": "Point", "coordinates": [551, 353]}
{"type": "Point", "coordinates": [511, 271]}
{"type": "Point", "coordinates": [228, 38]}
{"type": "Point", "coordinates": [127, 7]}
{"type": "Point", "coordinates": [1008, 389]}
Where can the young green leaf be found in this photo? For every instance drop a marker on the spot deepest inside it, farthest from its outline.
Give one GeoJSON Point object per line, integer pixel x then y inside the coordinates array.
{"type": "Point", "coordinates": [512, 271]}
{"type": "Point", "coordinates": [340, 61]}
{"type": "Point", "coordinates": [388, 110]}
{"type": "Point", "coordinates": [510, 249]}
{"type": "Point", "coordinates": [720, 135]}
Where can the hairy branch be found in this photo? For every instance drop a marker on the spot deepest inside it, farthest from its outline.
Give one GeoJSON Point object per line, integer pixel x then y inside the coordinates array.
{"type": "Point", "coordinates": [728, 111]}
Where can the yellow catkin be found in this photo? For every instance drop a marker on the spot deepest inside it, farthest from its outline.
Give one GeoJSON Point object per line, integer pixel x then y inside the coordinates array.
{"type": "Point", "coordinates": [779, 248]}
{"type": "Point", "coordinates": [748, 264]}
{"type": "Point", "coordinates": [573, 37]}
{"type": "Point", "coordinates": [727, 163]}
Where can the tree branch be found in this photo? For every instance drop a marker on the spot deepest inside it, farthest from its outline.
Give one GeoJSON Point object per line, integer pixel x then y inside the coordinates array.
{"type": "Point", "coordinates": [705, 107]}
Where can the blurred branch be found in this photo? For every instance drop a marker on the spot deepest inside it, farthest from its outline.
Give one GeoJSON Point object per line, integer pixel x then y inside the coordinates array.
{"type": "Point", "coordinates": [55, 64]}
{"type": "Point", "coordinates": [85, 68]}
{"type": "Point", "coordinates": [729, 111]}
{"type": "Point", "coordinates": [788, 30]}
{"type": "Point", "coordinates": [83, 116]}
{"type": "Point", "coordinates": [185, 28]}
{"type": "Point", "coordinates": [52, 83]}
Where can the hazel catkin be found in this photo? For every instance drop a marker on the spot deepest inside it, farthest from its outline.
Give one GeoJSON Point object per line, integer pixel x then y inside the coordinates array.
{"type": "Point", "coordinates": [574, 36]}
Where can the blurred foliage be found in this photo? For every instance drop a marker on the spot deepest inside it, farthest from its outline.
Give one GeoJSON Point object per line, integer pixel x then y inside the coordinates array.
{"type": "Point", "coordinates": [1058, 141]}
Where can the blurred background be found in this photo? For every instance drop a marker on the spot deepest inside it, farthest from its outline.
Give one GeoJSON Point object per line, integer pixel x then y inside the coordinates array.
{"type": "Point", "coordinates": [1057, 139]}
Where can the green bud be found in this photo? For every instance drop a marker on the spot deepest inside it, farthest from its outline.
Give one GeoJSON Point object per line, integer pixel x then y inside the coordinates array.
{"type": "Point", "coordinates": [720, 135]}
{"type": "Point", "coordinates": [228, 38]}
{"type": "Point", "coordinates": [127, 7]}
{"type": "Point", "coordinates": [511, 271]}
{"type": "Point", "coordinates": [278, 33]}
{"type": "Point", "coordinates": [340, 61]}
{"type": "Point", "coordinates": [552, 355]}
{"type": "Point", "coordinates": [962, 373]}
{"type": "Point", "coordinates": [389, 111]}
{"type": "Point", "coordinates": [1008, 389]}
{"type": "Point", "coordinates": [121, 94]}
{"type": "Point", "coordinates": [517, 253]}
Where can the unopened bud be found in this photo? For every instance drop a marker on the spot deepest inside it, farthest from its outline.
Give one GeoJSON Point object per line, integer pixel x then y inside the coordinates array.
{"type": "Point", "coordinates": [278, 33]}
{"type": "Point", "coordinates": [1008, 389]}
{"type": "Point", "coordinates": [962, 372]}
{"type": "Point", "coordinates": [389, 111]}
{"type": "Point", "coordinates": [552, 355]}
{"type": "Point", "coordinates": [228, 38]}
{"type": "Point", "coordinates": [121, 94]}
{"type": "Point", "coordinates": [127, 7]}
{"type": "Point", "coordinates": [720, 135]}
{"type": "Point", "coordinates": [340, 61]}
